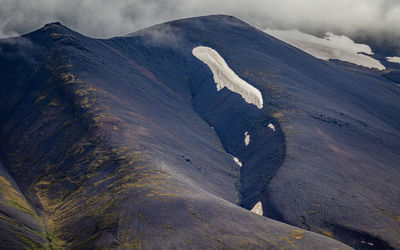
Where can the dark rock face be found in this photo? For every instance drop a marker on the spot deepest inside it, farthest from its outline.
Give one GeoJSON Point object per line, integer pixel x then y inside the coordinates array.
{"type": "Point", "coordinates": [109, 143]}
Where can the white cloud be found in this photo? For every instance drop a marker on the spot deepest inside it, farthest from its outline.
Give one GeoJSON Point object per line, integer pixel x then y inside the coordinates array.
{"type": "Point", "coordinates": [103, 18]}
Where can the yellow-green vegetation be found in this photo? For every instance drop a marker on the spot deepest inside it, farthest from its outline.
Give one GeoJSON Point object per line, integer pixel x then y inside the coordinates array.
{"type": "Point", "coordinates": [386, 213]}
{"type": "Point", "coordinates": [16, 200]}
{"type": "Point", "coordinates": [293, 236]}
{"type": "Point", "coordinates": [327, 233]}
{"type": "Point", "coordinates": [54, 103]}
{"type": "Point", "coordinates": [30, 243]}
{"type": "Point", "coordinates": [40, 98]}
{"type": "Point", "coordinates": [20, 207]}
{"type": "Point", "coordinates": [13, 197]}
{"type": "Point", "coordinates": [159, 195]}
{"type": "Point", "coordinates": [92, 177]}
{"type": "Point", "coordinates": [100, 205]}
{"type": "Point", "coordinates": [54, 242]}
{"type": "Point", "coordinates": [19, 225]}
{"type": "Point", "coordinates": [56, 35]}
{"type": "Point", "coordinates": [69, 78]}
{"type": "Point", "coordinates": [298, 234]}
{"type": "Point", "coordinates": [136, 243]}
{"type": "Point", "coordinates": [130, 239]}
{"type": "Point", "coordinates": [192, 213]}
{"type": "Point", "coordinates": [278, 115]}
{"type": "Point", "coordinates": [85, 94]}
{"type": "Point", "coordinates": [290, 241]}
{"type": "Point", "coordinates": [312, 212]}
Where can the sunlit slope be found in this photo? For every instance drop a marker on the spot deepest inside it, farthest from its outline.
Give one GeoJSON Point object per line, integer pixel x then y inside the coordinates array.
{"type": "Point", "coordinates": [20, 225]}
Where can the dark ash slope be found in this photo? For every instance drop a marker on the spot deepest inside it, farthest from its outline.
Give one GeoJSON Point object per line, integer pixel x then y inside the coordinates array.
{"type": "Point", "coordinates": [111, 145]}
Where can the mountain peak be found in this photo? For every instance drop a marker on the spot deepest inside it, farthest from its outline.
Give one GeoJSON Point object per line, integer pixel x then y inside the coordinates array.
{"type": "Point", "coordinates": [55, 27]}
{"type": "Point", "coordinates": [57, 23]}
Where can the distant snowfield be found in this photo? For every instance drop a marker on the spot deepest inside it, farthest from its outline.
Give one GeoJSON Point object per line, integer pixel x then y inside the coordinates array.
{"type": "Point", "coordinates": [225, 77]}
{"type": "Point", "coordinates": [330, 47]}
{"type": "Point", "coordinates": [393, 59]}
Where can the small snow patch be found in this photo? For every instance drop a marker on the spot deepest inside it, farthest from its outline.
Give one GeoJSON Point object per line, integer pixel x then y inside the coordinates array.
{"type": "Point", "coordinates": [237, 161]}
{"type": "Point", "coordinates": [246, 138]}
{"type": "Point", "coordinates": [225, 77]}
{"type": "Point", "coordinates": [271, 126]}
{"type": "Point", "coordinates": [257, 209]}
{"type": "Point", "coordinates": [393, 59]}
{"type": "Point", "coordinates": [369, 243]}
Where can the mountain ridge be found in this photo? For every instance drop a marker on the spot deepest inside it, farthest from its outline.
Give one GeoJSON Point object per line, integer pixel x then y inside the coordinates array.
{"type": "Point", "coordinates": [123, 124]}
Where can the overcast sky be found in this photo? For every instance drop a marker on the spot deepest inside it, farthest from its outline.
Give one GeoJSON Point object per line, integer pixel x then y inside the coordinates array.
{"type": "Point", "coordinates": [107, 18]}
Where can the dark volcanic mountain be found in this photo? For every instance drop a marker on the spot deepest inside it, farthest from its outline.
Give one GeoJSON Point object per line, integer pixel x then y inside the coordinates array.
{"type": "Point", "coordinates": [127, 143]}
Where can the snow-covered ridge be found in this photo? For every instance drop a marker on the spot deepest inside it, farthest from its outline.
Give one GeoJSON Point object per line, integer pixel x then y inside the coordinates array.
{"type": "Point", "coordinates": [225, 77]}
{"type": "Point", "coordinates": [393, 59]}
{"type": "Point", "coordinates": [330, 47]}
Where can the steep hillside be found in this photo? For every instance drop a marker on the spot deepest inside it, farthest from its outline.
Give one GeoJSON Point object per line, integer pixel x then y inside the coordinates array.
{"type": "Point", "coordinates": [128, 143]}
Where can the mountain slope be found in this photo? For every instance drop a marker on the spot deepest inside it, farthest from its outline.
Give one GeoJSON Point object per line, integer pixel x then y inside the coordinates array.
{"type": "Point", "coordinates": [126, 142]}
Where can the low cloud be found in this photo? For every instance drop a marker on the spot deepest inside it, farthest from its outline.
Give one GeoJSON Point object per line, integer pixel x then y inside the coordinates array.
{"type": "Point", "coordinates": [103, 18]}
{"type": "Point", "coordinates": [20, 47]}
{"type": "Point", "coordinates": [164, 36]}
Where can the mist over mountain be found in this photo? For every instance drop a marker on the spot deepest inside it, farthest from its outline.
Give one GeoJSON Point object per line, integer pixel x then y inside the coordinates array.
{"type": "Point", "coordinates": [377, 19]}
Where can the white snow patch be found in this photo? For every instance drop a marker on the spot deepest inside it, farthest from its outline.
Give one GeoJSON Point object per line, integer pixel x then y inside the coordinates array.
{"type": "Point", "coordinates": [257, 209]}
{"type": "Point", "coordinates": [237, 161]}
{"type": "Point", "coordinates": [393, 59]}
{"type": "Point", "coordinates": [369, 243]}
{"type": "Point", "coordinates": [330, 47]}
{"type": "Point", "coordinates": [271, 126]}
{"type": "Point", "coordinates": [225, 77]}
{"type": "Point", "coordinates": [246, 138]}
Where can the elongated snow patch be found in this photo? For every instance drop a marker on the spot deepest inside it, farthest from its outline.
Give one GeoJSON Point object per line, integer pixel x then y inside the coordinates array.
{"type": "Point", "coordinates": [225, 77]}
{"type": "Point", "coordinates": [393, 59]}
{"type": "Point", "coordinates": [257, 209]}
{"type": "Point", "coordinates": [246, 138]}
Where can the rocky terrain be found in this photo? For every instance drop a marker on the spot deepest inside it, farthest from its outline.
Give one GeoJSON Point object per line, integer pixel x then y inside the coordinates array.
{"type": "Point", "coordinates": [136, 142]}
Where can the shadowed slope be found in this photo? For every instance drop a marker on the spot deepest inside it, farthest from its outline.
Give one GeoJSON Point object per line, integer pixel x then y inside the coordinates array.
{"type": "Point", "coordinates": [127, 141]}
{"type": "Point", "coordinates": [338, 154]}
{"type": "Point", "coordinates": [109, 152]}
